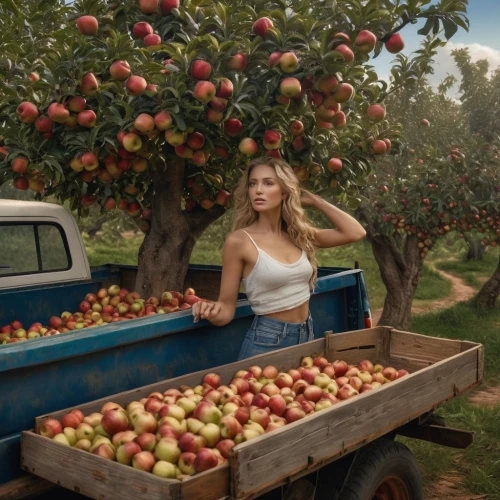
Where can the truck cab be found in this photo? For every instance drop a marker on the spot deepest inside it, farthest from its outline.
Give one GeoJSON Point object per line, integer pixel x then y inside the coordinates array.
{"type": "Point", "coordinates": [39, 244]}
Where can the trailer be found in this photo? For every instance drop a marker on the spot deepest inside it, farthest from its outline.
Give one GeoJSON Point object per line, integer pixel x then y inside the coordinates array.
{"type": "Point", "coordinates": [346, 451]}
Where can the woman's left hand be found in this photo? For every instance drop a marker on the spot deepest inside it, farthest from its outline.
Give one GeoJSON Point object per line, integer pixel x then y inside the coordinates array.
{"type": "Point", "coordinates": [308, 199]}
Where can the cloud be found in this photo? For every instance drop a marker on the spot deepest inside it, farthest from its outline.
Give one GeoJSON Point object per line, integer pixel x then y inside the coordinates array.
{"type": "Point", "coordinates": [445, 64]}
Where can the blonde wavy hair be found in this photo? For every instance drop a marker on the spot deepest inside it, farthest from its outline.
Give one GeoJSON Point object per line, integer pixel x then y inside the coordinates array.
{"type": "Point", "coordinates": [293, 217]}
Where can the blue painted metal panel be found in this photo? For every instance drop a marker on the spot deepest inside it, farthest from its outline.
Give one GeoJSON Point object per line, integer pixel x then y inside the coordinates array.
{"type": "Point", "coordinates": [10, 457]}
{"type": "Point", "coordinates": [49, 374]}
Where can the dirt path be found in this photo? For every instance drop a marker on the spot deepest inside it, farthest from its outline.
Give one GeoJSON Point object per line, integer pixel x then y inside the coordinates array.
{"type": "Point", "coordinates": [450, 487]}
{"type": "Point", "coordinates": [460, 292]}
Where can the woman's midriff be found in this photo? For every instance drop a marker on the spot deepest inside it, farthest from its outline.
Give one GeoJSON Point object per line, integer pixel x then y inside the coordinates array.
{"type": "Point", "coordinates": [298, 314]}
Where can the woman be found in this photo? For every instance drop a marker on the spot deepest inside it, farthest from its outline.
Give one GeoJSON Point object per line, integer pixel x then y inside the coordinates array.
{"type": "Point", "coordinates": [272, 250]}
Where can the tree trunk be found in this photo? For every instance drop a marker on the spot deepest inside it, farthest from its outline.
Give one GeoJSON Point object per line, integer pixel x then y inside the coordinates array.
{"type": "Point", "coordinates": [487, 296]}
{"type": "Point", "coordinates": [165, 253]}
{"type": "Point", "coordinates": [476, 250]}
{"type": "Point", "coordinates": [92, 232]}
{"type": "Point", "coordinates": [400, 268]}
{"type": "Point", "coordinates": [400, 264]}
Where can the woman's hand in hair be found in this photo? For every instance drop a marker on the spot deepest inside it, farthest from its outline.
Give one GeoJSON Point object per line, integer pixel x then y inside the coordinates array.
{"type": "Point", "coordinates": [308, 199]}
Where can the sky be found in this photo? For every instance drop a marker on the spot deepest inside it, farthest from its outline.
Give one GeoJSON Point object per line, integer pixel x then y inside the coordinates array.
{"type": "Point", "coordinates": [483, 41]}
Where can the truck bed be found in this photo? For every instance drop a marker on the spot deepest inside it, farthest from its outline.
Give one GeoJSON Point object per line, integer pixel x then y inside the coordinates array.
{"type": "Point", "coordinates": [73, 368]}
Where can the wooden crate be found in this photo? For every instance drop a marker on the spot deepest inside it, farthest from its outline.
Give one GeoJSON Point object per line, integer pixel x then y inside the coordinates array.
{"type": "Point", "coordinates": [439, 370]}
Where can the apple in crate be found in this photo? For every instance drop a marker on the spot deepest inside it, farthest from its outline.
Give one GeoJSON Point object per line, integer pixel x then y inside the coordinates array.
{"type": "Point", "coordinates": [191, 442]}
{"type": "Point", "coordinates": [167, 449]}
{"type": "Point", "coordinates": [212, 433]}
{"type": "Point", "coordinates": [225, 446]}
{"type": "Point", "coordinates": [205, 459]}
{"type": "Point", "coordinates": [144, 461]}
{"type": "Point", "coordinates": [164, 469]}
{"type": "Point", "coordinates": [186, 463]}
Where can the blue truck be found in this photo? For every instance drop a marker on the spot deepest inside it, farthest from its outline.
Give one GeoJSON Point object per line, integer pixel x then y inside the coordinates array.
{"type": "Point", "coordinates": [45, 375]}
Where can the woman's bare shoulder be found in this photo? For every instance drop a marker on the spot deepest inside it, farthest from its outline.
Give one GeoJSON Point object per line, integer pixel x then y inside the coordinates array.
{"type": "Point", "coordinates": [237, 243]}
{"type": "Point", "coordinates": [235, 238]}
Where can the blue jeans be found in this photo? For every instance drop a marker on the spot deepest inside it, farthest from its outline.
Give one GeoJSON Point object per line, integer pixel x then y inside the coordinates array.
{"type": "Point", "coordinates": [269, 334]}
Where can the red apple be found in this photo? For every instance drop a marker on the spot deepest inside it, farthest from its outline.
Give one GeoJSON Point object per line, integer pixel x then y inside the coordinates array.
{"type": "Point", "coordinates": [366, 365]}
{"type": "Point", "coordinates": [144, 461]}
{"type": "Point", "coordinates": [390, 373]}
{"type": "Point", "coordinates": [277, 405]}
{"type": "Point", "coordinates": [230, 426]}
{"type": "Point", "coordinates": [233, 127]}
{"type": "Point", "coordinates": [50, 427]}
{"type": "Point", "coordinates": [27, 112]}
{"type": "Point", "coordinates": [288, 62]}
{"type": "Point", "coordinates": [136, 85]}
{"type": "Point", "coordinates": [225, 446]}
{"type": "Point", "coordinates": [58, 113]}
{"type": "Point", "coordinates": [347, 392]}
{"type": "Point", "coordinates": [309, 374]}
{"type": "Point", "coordinates": [340, 368]}
{"type": "Point", "coordinates": [261, 26]}
{"type": "Point", "coordinates": [346, 53]}
{"type": "Point", "coordinates": [115, 421]}
{"type": "Point", "coordinates": [163, 120]}
{"type": "Point", "coordinates": [237, 62]}
{"type": "Point", "coordinates": [126, 452]}
{"type": "Point", "coordinates": [87, 25]}
{"type": "Point", "coordinates": [89, 85]}
{"type": "Point", "coordinates": [260, 400]}
{"type": "Point", "coordinates": [142, 29]}
{"type": "Point", "coordinates": [212, 379]}
{"type": "Point", "coordinates": [201, 70]}
{"type": "Point", "coordinates": [87, 119]}
{"type": "Point", "coordinates": [204, 91]}
{"type": "Point", "coordinates": [146, 441]}
{"type": "Point", "coordinates": [166, 6]}
{"type": "Point", "coordinates": [395, 43]}
{"type": "Point", "coordinates": [294, 414]}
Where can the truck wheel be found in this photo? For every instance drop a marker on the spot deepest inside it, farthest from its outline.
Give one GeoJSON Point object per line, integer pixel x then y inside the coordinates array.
{"type": "Point", "coordinates": [383, 470]}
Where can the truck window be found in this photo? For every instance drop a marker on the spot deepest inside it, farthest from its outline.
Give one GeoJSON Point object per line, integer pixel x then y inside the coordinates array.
{"type": "Point", "coordinates": [32, 248]}
{"type": "Point", "coordinates": [52, 248]}
{"type": "Point", "coordinates": [17, 249]}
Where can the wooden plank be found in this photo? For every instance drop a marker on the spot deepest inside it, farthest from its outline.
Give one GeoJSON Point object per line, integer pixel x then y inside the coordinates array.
{"type": "Point", "coordinates": [24, 486]}
{"type": "Point", "coordinates": [282, 359]}
{"type": "Point", "coordinates": [354, 346]}
{"type": "Point", "coordinates": [480, 364]}
{"type": "Point", "coordinates": [421, 347]}
{"type": "Point", "coordinates": [90, 475]}
{"type": "Point", "coordinates": [347, 425]}
{"type": "Point", "coordinates": [209, 485]}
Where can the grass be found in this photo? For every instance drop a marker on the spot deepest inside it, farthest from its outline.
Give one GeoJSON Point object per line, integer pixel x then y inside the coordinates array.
{"type": "Point", "coordinates": [478, 465]}
{"type": "Point", "coordinates": [117, 251]}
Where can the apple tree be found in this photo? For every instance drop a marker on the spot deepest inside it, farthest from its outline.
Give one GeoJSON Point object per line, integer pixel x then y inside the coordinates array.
{"type": "Point", "coordinates": [154, 106]}
{"type": "Point", "coordinates": [480, 98]}
{"type": "Point", "coordinates": [440, 178]}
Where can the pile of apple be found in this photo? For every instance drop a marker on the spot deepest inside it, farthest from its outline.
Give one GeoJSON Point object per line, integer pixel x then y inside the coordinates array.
{"type": "Point", "coordinates": [109, 305]}
{"type": "Point", "coordinates": [185, 431]}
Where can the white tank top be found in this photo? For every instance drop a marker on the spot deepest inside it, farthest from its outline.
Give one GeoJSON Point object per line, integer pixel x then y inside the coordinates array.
{"type": "Point", "coordinates": [273, 286]}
